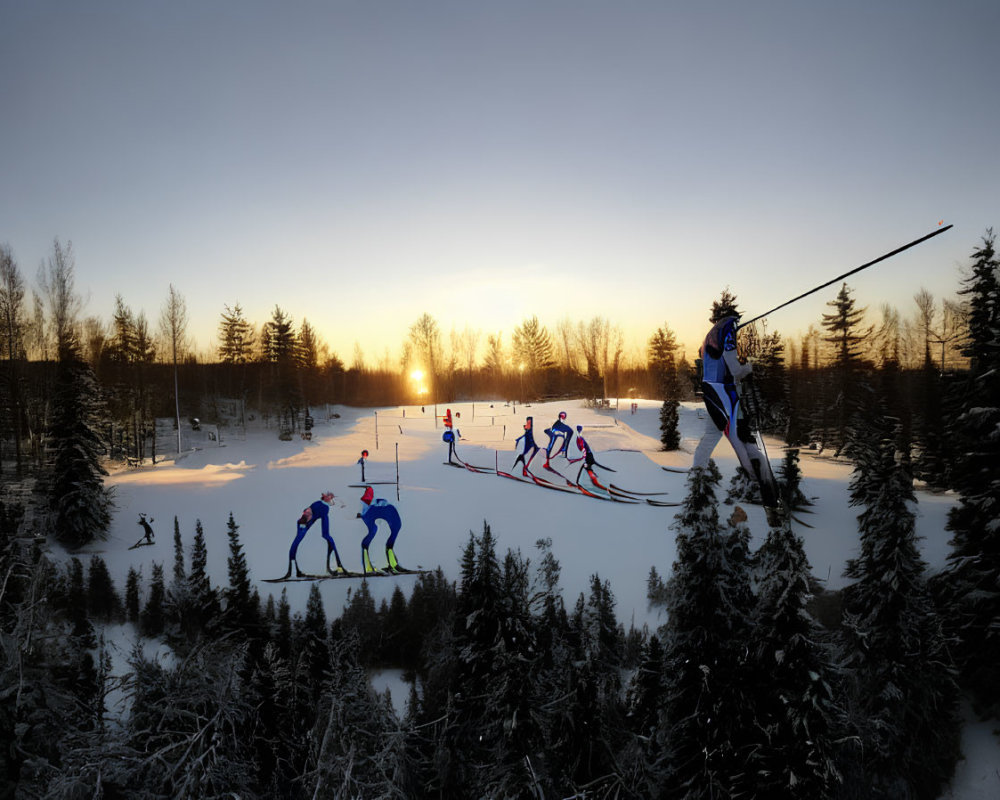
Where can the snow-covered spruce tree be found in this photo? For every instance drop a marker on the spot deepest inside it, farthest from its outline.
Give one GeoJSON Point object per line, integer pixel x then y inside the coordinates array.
{"type": "Point", "coordinates": [311, 646]}
{"type": "Point", "coordinates": [494, 644]}
{"type": "Point", "coordinates": [742, 488]}
{"type": "Point", "coordinates": [512, 696]}
{"type": "Point", "coordinates": [355, 746]}
{"type": "Point", "coordinates": [905, 695]}
{"type": "Point", "coordinates": [973, 576]}
{"type": "Point", "coordinates": [640, 756]}
{"type": "Point", "coordinates": [662, 355]}
{"type": "Point", "coordinates": [49, 680]}
{"type": "Point", "coordinates": [706, 721]}
{"type": "Point", "coordinates": [594, 705]}
{"type": "Point", "coordinates": [80, 502]}
{"type": "Point", "coordinates": [799, 717]}
{"type": "Point", "coordinates": [191, 605]}
{"type": "Point", "coordinates": [280, 739]}
{"type": "Point", "coordinates": [242, 606]}
{"type": "Point", "coordinates": [551, 674]}
{"type": "Point", "coordinates": [187, 734]}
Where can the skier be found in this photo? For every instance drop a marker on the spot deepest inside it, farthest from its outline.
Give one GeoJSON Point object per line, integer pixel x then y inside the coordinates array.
{"type": "Point", "coordinates": [722, 374]}
{"type": "Point", "coordinates": [320, 510]}
{"type": "Point", "coordinates": [148, 531]}
{"type": "Point", "coordinates": [529, 444]}
{"type": "Point", "coordinates": [362, 461]}
{"type": "Point", "coordinates": [589, 462]}
{"type": "Point", "coordinates": [559, 430]}
{"type": "Point", "coordinates": [371, 512]}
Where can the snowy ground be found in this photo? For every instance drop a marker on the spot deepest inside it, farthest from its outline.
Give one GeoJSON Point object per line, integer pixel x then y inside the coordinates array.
{"type": "Point", "coordinates": [266, 483]}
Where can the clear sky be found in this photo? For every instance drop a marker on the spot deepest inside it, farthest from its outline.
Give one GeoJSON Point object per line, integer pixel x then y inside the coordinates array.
{"type": "Point", "coordinates": [360, 163]}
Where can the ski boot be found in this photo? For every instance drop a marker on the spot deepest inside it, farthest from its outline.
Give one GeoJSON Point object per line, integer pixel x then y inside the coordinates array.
{"type": "Point", "coordinates": [298, 573]}
{"type": "Point", "coordinates": [394, 567]}
{"type": "Point", "coordinates": [340, 567]}
{"type": "Point", "coordinates": [366, 563]}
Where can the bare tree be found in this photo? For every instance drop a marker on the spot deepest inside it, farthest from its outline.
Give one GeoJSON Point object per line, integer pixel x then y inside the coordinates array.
{"type": "Point", "coordinates": [56, 281]}
{"type": "Point", "coordinates": [173, 324]}
{"type": "Point", "coordinates": [12, 344]}
{"type": "Point", "coordinates": [425, 336]}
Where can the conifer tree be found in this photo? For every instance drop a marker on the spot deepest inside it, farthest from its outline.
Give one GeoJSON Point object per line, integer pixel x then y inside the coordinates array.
{"type": "Point", "coordinates": [906, 693]}
{"type": "Point", "coordinates": [152, 619]}
{"type": "Point", "coordinates": [705, 730]}
{"type": "Point", "coordinates": [312, 641]}
{"type": "Point", "coordinates": [355, 745]}
{"type": "Point", "coordinates": [180, 573]}
{"type": "Point", "coordinates": [361, 621]}
{"type": "Point", "coordinates": [80, 502]}
{"type": "Point", "coordinates": [799, 716]}
{"type": "Point", "coordinates": [187, 731]}
{"type": "Point", "coordinates": [973, 573]}
{"type": "Point", "coordinates": [103, 602]}
{"type": "Point", "coordinates": [845, 334]}
{"type": "Point", "coordinates": [132, 584]}
{"type": "Point", "coordinates": [662, 352]}
{"type": "Point", "coordinates": [241, 605]}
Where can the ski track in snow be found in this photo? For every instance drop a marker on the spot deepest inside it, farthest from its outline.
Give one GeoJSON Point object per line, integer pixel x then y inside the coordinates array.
{"type": "Point", "coordinates": [266, 483]}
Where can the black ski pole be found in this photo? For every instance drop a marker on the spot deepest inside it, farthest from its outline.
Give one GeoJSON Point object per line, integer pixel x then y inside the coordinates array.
{"type": "Point", "coordinates": [898, 250]}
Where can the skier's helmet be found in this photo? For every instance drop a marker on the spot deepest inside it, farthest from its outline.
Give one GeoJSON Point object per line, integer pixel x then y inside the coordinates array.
{"type": "Point", "coordinates": [562, 415]}
{"type": "Point", "coordinates": [369, 495]}
{"type": "Point", "coordinates": [579, 428]}
{"type": "Point", "coordinates": [327, 497]}
{"type": "Point", "coordinates": [364, 454]}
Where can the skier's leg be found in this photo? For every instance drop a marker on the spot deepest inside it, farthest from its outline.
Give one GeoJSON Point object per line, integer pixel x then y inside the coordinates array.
{"type": "Point", "coordinates": [331, 547]}
{"type": "Point", "coordinates": [293, 551]}
{"type": "Point", "coordinates": [757, 466]}
{"type": "Point", "coordinates": [718, 416]}
{"type": "Point", "coordinates": [392, 518]}
{"type": "Point", "coordinates": [366, 562]}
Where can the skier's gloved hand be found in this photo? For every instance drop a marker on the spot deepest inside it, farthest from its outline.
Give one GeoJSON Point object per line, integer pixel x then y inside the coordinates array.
{"type": "Point", "coordinates": [358, 515]}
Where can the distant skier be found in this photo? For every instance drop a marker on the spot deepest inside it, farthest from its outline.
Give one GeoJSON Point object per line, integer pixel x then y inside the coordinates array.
{"type": "Point", "coordinates": [722, 374]}
{"type": "Point", "coordinates": [559, 431]}
{"type": "Point", "coordinates": [147, 537]}
{"type": "Point", "coordinates": [451, 435]}
{"type": "Point", "coordinates": [529, 444]}
{"type": "Point", "coordinates": [371, 512]}
{"type": "Point", "coordinates": [320, 510]}
{"type": "Point", "coordinates": [362, 461]}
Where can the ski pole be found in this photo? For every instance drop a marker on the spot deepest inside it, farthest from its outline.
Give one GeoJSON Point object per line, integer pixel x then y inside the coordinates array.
{"type": "Point", "coordinates": [849, 273]}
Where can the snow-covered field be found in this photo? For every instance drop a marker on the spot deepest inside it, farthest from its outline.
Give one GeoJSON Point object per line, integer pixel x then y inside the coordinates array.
{"type": "Point", "coordinates": [266, 483]}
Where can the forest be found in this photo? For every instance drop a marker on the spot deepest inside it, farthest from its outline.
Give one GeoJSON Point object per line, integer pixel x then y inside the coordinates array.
{"type": "Point", "coordinates": [752, 687]}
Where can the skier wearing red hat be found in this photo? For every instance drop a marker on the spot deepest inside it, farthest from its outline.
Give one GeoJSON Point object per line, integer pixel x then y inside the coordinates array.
{"type": "Point", "coordinates": [371, 512]}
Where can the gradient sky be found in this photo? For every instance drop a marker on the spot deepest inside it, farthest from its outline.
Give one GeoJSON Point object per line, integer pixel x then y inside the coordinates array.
{"type": "Point", "coordinates": [360, 163]}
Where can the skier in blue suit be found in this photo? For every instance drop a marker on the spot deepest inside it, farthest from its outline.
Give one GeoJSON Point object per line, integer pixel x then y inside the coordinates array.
{"type": "Point", "coordinates": [722, 375]}
{"type": "Point", "coordinates": [530, 448]}
{"type": "Point", "coordinates": [320, 510]}
{"type": "Point", "coordinates": [371, 512]}
{"type": "Point", "coordinates": [559, 431]}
